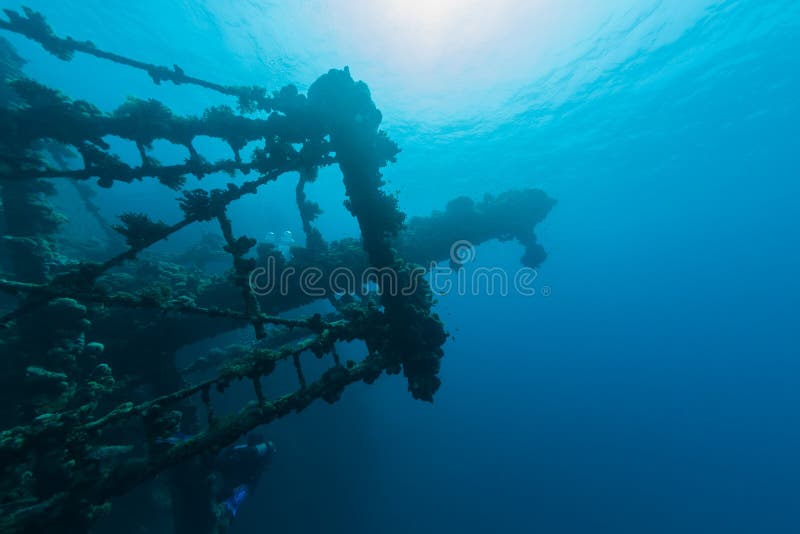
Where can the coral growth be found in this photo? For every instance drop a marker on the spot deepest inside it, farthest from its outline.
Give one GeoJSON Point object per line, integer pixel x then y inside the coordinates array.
{"type": "Point", "coordinates": [91, 388]}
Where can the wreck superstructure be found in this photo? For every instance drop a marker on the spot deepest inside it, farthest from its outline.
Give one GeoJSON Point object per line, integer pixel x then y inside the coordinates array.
{"type": "Point", "coordinates": [88, 345]}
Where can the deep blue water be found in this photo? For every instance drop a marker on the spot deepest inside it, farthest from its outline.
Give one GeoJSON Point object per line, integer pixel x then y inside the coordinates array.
{"type": "Point", "coordinates": [656, 389]}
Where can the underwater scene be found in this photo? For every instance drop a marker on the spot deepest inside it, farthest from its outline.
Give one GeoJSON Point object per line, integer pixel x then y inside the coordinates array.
{"type": "Point", "coordinates": [399, 266]}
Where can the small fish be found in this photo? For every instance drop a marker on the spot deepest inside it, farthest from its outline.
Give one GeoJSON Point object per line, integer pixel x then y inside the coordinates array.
{"type": "Point", "coordinates": [174, 439]}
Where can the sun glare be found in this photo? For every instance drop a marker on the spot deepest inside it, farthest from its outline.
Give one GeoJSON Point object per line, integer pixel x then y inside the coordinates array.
{"type": "Point", "coordinates": [427, 33]}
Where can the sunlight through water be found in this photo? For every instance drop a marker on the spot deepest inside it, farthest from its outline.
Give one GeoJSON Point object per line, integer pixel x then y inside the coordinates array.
{"type": "Point", "coordinates": [450, 61]}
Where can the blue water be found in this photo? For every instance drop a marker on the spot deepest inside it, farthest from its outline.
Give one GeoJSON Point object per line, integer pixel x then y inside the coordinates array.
{"type": "Point", "coordinates": [656, 389]}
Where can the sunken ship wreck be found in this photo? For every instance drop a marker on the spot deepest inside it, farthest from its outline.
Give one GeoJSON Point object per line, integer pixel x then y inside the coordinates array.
{"type": "Point", "coordinates": [92, 392]}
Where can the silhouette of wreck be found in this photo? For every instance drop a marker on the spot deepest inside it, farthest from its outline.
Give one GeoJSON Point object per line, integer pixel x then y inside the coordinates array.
{"type": "Point", "coordinates": [89, 379]}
